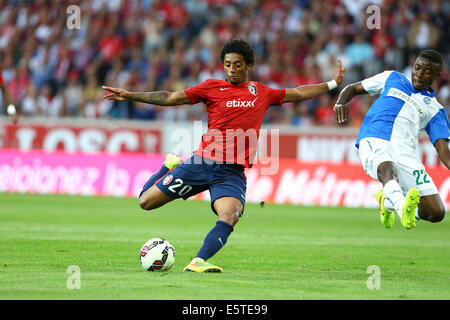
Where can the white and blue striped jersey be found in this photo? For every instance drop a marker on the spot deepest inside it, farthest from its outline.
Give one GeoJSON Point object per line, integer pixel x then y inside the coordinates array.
{"type": "Point", "coordinates": [401, 112]}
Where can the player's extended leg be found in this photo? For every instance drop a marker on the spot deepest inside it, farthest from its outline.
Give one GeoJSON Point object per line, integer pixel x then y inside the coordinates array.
{"type": "Point", "coordinates": [405, 206]}
{"type": "Point", "coordinates": [151, 196]}
{"type": "Point", "coordinates": [228, 209]}
{"type": "Point", "coordinates": [431, 208]}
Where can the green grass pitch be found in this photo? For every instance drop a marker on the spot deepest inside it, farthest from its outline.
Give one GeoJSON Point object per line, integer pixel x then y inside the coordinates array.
{"type": "Point", "coordinates": [276, 252]}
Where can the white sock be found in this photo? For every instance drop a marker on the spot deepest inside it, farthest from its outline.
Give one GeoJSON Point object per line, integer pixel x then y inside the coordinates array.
{"type": "Point", "coordinates": [394, 193]}
{"type": "Point", "coordinates": [388, 204]}
{"type": "Point", "coordinates": [416, 214]}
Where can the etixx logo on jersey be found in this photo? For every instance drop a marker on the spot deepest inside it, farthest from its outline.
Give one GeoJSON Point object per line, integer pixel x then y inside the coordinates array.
{"type": "Point", "coordinates": [241, 103]}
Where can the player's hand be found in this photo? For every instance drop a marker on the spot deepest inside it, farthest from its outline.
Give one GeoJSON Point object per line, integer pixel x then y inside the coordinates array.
{"type": "Point", "coordinates": [116, 94]}
{"type": "Point", "coordinates": [11, 111]}
{"type": "Point", "coordinates": [342, 112]}
{"type": "Point", "coordinates": [339, 77]}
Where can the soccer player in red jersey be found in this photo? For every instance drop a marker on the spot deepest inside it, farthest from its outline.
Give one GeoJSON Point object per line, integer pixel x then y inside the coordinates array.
{"type": "Point", "coordinates": [236, 108]}
{"type": "Point", "coordinates": [10, 108]}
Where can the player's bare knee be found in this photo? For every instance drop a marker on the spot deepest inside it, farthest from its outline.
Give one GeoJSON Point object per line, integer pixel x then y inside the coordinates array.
{"type": "Point", "coordinates": [230, 216]}
{"type": "Point", "coordinates": [434, 213]}
{"type": "Point", "coordinates": [437, 215]}
{"type": "Point", "coordinates": [238, 213]}
{"type": "Point", "coordinates": [386, 171]}
{"type": "Point", "coordinates": [146, 203]}
{"type": "Point", "coordinates": [143, 203]}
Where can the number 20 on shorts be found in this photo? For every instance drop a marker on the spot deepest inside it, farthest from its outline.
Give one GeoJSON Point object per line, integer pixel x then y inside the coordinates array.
{"type": "Point", "coordinates": [182, 189]}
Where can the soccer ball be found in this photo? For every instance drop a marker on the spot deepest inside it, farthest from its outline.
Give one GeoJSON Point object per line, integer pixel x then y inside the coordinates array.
{"type": "Point", "coordinates": [157, 255]}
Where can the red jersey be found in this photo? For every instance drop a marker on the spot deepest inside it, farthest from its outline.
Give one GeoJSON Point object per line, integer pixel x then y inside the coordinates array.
{"type": "Point", "coordinates": [1, 76]}
{"type": "Point", "coordinates": [235, 114]}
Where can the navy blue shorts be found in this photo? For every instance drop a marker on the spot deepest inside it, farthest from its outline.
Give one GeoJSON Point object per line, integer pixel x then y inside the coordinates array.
{"type": "Point", "coordinates": [197, 174]}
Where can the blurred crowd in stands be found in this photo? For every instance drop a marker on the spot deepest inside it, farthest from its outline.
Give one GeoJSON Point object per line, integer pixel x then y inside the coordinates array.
{"type": "Point", "coordinates": [150, 45]}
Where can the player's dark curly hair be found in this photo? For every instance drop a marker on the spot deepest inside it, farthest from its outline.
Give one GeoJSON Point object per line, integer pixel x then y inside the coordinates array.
{"type": "Point", "coordinates": [433, 56]}
{"type": "Point", "coordinates": [239, 46]}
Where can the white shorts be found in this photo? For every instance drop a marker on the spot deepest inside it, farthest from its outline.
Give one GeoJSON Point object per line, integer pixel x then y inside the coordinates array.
{"type": "Point", "coordinates": [410, 171]}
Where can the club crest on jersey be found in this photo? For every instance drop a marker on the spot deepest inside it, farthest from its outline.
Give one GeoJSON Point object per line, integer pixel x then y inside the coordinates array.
{"type": "Point", "coordinates": [252, 89]}
{"type": "Point", "coordinates": [167, 180]}
{"type": "Point", "coordinates": [427, 100]}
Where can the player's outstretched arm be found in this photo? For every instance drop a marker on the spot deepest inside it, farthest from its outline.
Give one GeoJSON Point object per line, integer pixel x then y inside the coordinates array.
{"type": "Point", "coordinates": [310, 91]}
{"type": "Point", "coordinates": [443, 150]}
{"type": "Point", "coordinates": [341, 107]}
{"type": "Point", "coordinates": [160, 98]}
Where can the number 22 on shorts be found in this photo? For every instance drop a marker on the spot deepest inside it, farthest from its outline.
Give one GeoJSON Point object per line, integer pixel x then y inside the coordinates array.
{"type": "Point", "coordinates": [421, 177]}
